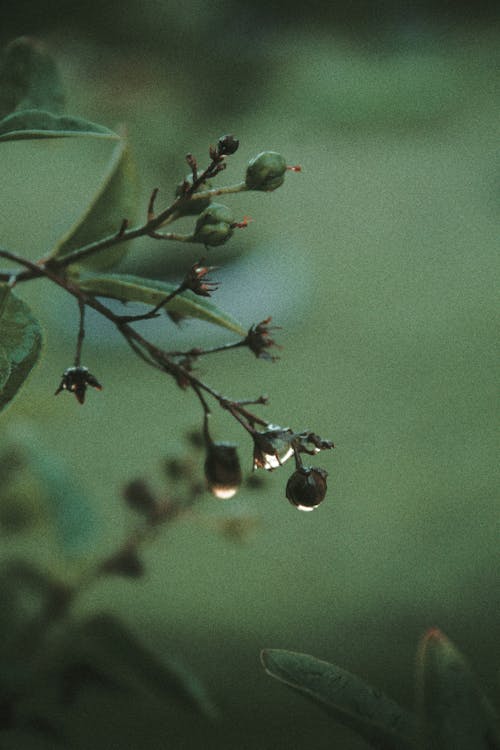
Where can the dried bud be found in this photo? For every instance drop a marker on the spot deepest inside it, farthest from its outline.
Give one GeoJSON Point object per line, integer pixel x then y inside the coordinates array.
{"type": "Point", "coordinates": [222, 470]}
{"type": "Point", "coordinates": [214, 225]}
{"type": "Point", "coordinates": [258, 339]}
{"type": "Point", "coordinates": [186, 206]}
{"type": "Point", "coordinates": [227, 145]}
{"type": "Point", "coordinates": [266, 171]}
{"type": "Point", "coordinates": [76, 380]}
{"type": "Point", "coordinates": [272, 448]}
{"type": "Point", "coordinates": [196, 281]}
{"type": "Point", "coordinates": [306, 488]}
{"type": "Point", "coordinates": [138, 495]}
{"type": "Point", "coordinates": [309, 442]}
{"type": "Point", "coordinates": [126, 562]}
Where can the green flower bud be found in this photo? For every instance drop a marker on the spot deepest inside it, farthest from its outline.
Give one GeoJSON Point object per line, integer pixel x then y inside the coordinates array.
{"type": "Point", "coordinates": [222, 470]}
{"type": "Point", "coordinates": [306, 488]}
{"type": "Point", "coordinates": [266, 171]}
{"type": "Point", "coordinates": [214, 225]}
{"type": "Point", "coordinates": [188, 207]}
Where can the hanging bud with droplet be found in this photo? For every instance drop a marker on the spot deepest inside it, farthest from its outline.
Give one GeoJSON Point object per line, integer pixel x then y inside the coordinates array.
{"type": "Point", "coordinates": [222, 470]}
{"type": "Point", "coordinates": [75, 380]}
{"type": "Point", "coordinates": [306, 488]}
{"type": "Point", "coordinates": [272, 447]}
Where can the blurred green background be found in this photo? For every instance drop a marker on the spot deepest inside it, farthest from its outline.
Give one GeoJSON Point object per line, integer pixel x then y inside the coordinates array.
{"type": "Point", "coordinates": [379, 262]}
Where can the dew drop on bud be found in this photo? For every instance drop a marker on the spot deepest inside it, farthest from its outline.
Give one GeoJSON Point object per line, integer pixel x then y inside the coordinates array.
{"type": "Point", "coordinates": [272, 448]}
{"type": "Point", "coordinates": [306, 488]}
{"type": "Point", "coordinates": [223, 470]}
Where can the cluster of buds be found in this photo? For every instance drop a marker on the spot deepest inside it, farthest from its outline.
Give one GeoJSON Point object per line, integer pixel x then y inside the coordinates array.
{"type": "Point", "coordinates": [273, 447]}
{"type": "Point", "coordinates": [306, 488]}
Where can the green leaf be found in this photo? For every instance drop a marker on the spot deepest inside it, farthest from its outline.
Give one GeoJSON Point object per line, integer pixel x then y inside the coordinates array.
{"type": "Point", "coordinates": [114, 200]}
{"type": "Point", "coordinates": [35, 123]}
{"type": "Point", "coordinates": [29, 78]}
{"type": "Point", "coordinates": [454, 714]}
{"type": "Point", "coordinates": [121, 660]}
{"type": "Point", "coordinates": [350, 700]}
{"type": "Point", "coordinates": [150, 291]}
{"type": "Point", "coordinates": [20, 344]}
{"type": "Point", "coordinates": [54, 491]}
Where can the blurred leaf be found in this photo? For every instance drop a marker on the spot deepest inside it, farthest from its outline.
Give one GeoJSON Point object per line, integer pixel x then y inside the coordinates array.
{"type": "Point", "coordinates": [150, 291]}
{"type": "Point", "coordinates": [20, 344]}
{"type": "Point", "coordinates": [29, 78]}
{"type": "Point", "coordinates": [120, 659]}
{"type": "Point", "coordinates": [56, 492]}
{"type": "Point", "coordinates": [114, 200]}
{"type": "Point", "coordinates": [69, 506]}
{"type": "Point", "coordinates": [24, 593]}
{"type": "Point", "coordinates": [36, 123]}
{"type": "Point", "coordinates": [454, 714]}
{"type": "Point", "coordinates": [350, 700]}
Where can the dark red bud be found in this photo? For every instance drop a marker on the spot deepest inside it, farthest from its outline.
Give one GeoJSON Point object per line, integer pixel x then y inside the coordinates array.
{"type": "Point", "coordinates": [306, 488]}
{"type": "Point", "coordinates": [222, 470]}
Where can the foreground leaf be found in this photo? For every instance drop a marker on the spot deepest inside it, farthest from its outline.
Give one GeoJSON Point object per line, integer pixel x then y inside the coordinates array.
{"type": "Point", "coordinates": [120, 660]}
{"type": "Point", "coordinates": [114, 200]}
{"type": "Point", "coordinates": [55, 494]}
{"type": "Point", "coordinates": [36, 123]}
{"type": "Point", "coordinates": [350, 700]}
{"type": "Point", "coordinates": [128, 288]}
{"type": "Point", "coordinates": [29, 78]}
{"type": "Point", "coordinates": [20, 344]}
{"type": "Point", "coordinates": [24, 593]}
{"type": "Point", "coordinates": [454, 714]}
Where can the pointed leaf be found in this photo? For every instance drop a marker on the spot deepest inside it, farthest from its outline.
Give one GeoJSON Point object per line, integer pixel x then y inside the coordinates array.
{"type": "Point", "coordinates": [350, 700]}
{"type": "Point", "coordinates": [29, 78]}
{"type": "Point", "coordinates": [37, 123]}
{"type": "Point", "coordinates": [130, 288]}
{"type": "Point", "coordinates": [119, 657]}
{"type": "Point", "coordinates": [20, 344]}
{"type": "Point", "coordinates": [454, 714]}
{"type": "Point", "coordinates": [114, 200]}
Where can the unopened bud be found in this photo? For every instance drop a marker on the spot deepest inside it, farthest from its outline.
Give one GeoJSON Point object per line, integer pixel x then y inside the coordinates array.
{"type": "Point", "coordinates": [306, 488]}
{"type": "Point", "coordinates": [214, 225]}
{"type": "Point", "coordinates": [227, 145]}
{"type": "Point", "coordinates": [266, 171]}
{"type": "Point", "coordinates": [222, 470]}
